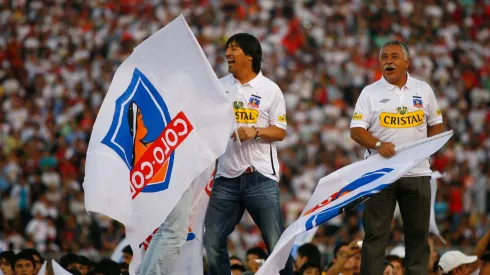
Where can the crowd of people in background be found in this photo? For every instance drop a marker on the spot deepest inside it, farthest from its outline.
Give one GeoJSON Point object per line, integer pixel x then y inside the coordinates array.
{"type": "Point", "coordinates": [57, 59]}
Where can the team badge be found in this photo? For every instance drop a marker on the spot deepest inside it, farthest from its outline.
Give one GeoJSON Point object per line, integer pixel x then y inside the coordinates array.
{"type": "Point", "coordinates": [417, 102]}
{"type": "Point", "coordinates": [254, 101]}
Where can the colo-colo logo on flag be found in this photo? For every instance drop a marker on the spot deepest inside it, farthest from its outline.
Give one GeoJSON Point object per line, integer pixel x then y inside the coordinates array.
{"type": "Point", "coordinates": [144, 135]}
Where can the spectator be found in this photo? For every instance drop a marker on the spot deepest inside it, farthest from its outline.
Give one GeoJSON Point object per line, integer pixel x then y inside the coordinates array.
{"type": "Point", "coordinates": [347, 259]}
{"type": "Point", "coordinates": [397, 264]}
{"type": "Point", "coordinates": [389, 269]}
{"type": "Point", "coordinates": [70, 261]}
{"type": "Point", "coordinates": [255, 256]}
{"type": "Point", "coordinates": [127, 255]}
{"type": "Point", "coordinates": [38, 259]}
{"type": "Point", "coordinates": [6, 262]}
{"type": "Point", "coordinates": [85, 265]}
{"type": "Point", "coordinates": [307, 253]}
{"type": "Point", "coordinates": [456, 263]}
{"type": "Point", "coordinates": [485, 264]}
{"type": "Point", "coordinates": [57, 59]}
{"type": "Point", "coordinates": [234, 260]}
{"type": "Point", "coordinates": [107, 267]}
{"type": "Point", "coordinates": [237, 269]}
{"type": "Point", "coordinates": [23, 264]}
{"type": "Point", "coordinates": [310, 269]}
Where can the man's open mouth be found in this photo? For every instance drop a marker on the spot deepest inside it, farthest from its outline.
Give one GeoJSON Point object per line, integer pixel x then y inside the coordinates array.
{"type": "Point", "coordinates": [390, 69]}
{"type": "Point", "coordinates": [231, 62]}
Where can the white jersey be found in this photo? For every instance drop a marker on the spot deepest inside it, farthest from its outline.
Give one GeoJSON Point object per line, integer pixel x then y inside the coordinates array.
{"type": "Point", "coordinates": [398, 115]}
{"type": "Point", "coordinates": [258, 103]}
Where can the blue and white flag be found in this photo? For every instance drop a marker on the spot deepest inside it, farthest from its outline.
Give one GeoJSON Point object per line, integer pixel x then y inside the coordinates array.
{"type": "Point", "coordinates": [348, 187]}
{"type": "Point", "coordinates": [164, 121]}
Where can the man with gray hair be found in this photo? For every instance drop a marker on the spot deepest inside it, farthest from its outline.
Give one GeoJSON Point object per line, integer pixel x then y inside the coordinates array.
{"type": "Point", "coordinates": [392, 111]}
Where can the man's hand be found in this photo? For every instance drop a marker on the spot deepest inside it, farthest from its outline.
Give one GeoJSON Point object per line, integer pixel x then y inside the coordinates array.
{"type": "Point", "coordinates": [386, 149]}
{"type": "Point", "coordinates": [354, 248]}
{"type": "Point", "coordinates": [245, 133]}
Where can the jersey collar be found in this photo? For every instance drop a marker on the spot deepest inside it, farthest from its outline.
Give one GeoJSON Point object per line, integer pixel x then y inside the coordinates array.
{"type": "Point", "coordinates": [252, 83]}
{"type": "Point", "coordinates": [391, 87]}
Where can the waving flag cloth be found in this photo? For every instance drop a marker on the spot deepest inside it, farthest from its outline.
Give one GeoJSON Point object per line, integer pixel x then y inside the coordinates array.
{"type": "Point", "coordinates": [433, 188]}
{"type": "Point", "coordinates": [42, 270]}
{"type": "Point", "coordinates": [164, 121]}
{"type": "Point", "coordinates": [346, 188]}
{"type": "Point", "coordinates": [189, 261]}
{"type": "Point", "coordinates": [58, 269]}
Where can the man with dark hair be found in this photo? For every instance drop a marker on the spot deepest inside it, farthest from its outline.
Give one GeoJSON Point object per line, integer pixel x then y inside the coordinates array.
{"type": "Point", "coordinates": [69, 261]}
{"type": "Point", "coordinates": [107, 267]}
{"type": "Point", "coordinates": [234, 260]}
{"type": "Point", "coordinates": [127, 255]}
{"type": "Point", "coordinates": [248, 172]}
{"type": "Point", "coordinates": [37, 258]}
{"type": "Point", "coordinates": [347, 258]}
{"type": "Point", "coordinates": [237, 269]}
{"type": "Point", "coordinates": [485, 263]}
{"type": "Point", "coordinates": [23, 264]}
{"type": "Point", "coordinates": [85, 264]}
{"type": "Point", "coordinates": [397, 263]}
{"type": "Point", "coordinates": [255, 255]}
{"type": "Point", "coordinates": [308, 253]}
{"type": "Point", "coordinates": [457, 263]}
{"type": "Point", "coordinates": [310, 269]}
{"type": "Point", "coordinates": [6, 262]}
{"type": "Point", "coordinates": [394, 110]}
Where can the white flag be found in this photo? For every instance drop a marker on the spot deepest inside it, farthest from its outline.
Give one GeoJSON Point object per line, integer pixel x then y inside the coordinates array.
{"type": "Point", "coordinates": [58, 269]}
{"type": "Point", "coordinates": [301, 239]}
{"type": "Point", "coordinates": [117, 254]}
{"type": "Point", "coordinates": [42, 270]}
{"type": "Point", "coordinates": [190, 259]}
{"type": "Point", "coordinates": [164, 120]}
{"type": "Point", "coordinates": [346, 188]}
{"type": "Point", "coordinates": [433, 189]}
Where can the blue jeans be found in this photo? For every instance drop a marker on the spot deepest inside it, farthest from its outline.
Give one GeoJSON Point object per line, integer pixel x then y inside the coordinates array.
{"type": "Point", "coordinates": [165, 244]}
{"type": "Point", "coordinates": [229, 199]}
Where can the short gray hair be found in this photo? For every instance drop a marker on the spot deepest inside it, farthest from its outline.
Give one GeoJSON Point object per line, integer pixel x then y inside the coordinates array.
{"type": "Point", "coordinates": [399, 43]}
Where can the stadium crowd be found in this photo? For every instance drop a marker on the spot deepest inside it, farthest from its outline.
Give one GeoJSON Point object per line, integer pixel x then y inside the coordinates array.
{"type": "Point", "coordinates": [57, 59]}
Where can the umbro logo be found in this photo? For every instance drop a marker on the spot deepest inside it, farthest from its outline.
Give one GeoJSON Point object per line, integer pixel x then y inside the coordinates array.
{"type": "Point", "coordinates": [385, 100]}
{"type": "Point", "coordinates": [227, 92]}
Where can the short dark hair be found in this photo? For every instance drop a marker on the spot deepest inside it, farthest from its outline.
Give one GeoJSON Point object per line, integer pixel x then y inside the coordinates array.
{"type": "Point", "coordinates": [310, 265]}
{"type": "Point", "coordinates": [387, 263]}
{"type": "Point", "coordinates": [69, 259]}
{"type": "Point", "coordinates": [485, 257]}
{"type": "Point", "coordinates": [391, 258]}
{"type": "Point", "coordinates": [233, 257]}
{"type": "Point", "coordinates": [337, 248]}
{"type": "Point", "coordinates": [250, 46]}
{"type": "Point", "coordinates": [107, 267]}
{"type": "Point", "coordinates": [9, 256]}
{"type": "Point", "coordinates": [257, 251]}
{"type": "Point", "coordinates": [23, 256]}
{"type": "Point", "coordinates": [128, 250]}
{"type": "Point", "coordinates": [84, 260]}
{"type": "Point", "coordinates": [238, 267]}
{"type": "Point", "coordinates": [311, 252]}
{"type": "Point", "coordinates": [33, 253]}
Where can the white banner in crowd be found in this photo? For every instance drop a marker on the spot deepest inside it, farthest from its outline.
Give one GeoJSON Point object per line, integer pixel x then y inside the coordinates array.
{"type": "Point", "coordinates": [433, 188]}
{"type": "Point", "coordinates": [58, 269]}
{"type": "Point", "coordinates": [163, 122]}
{"type": "Point", "coordinates": [42, 270]}
{"type": "Point", "coordinates": [346, 188]}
